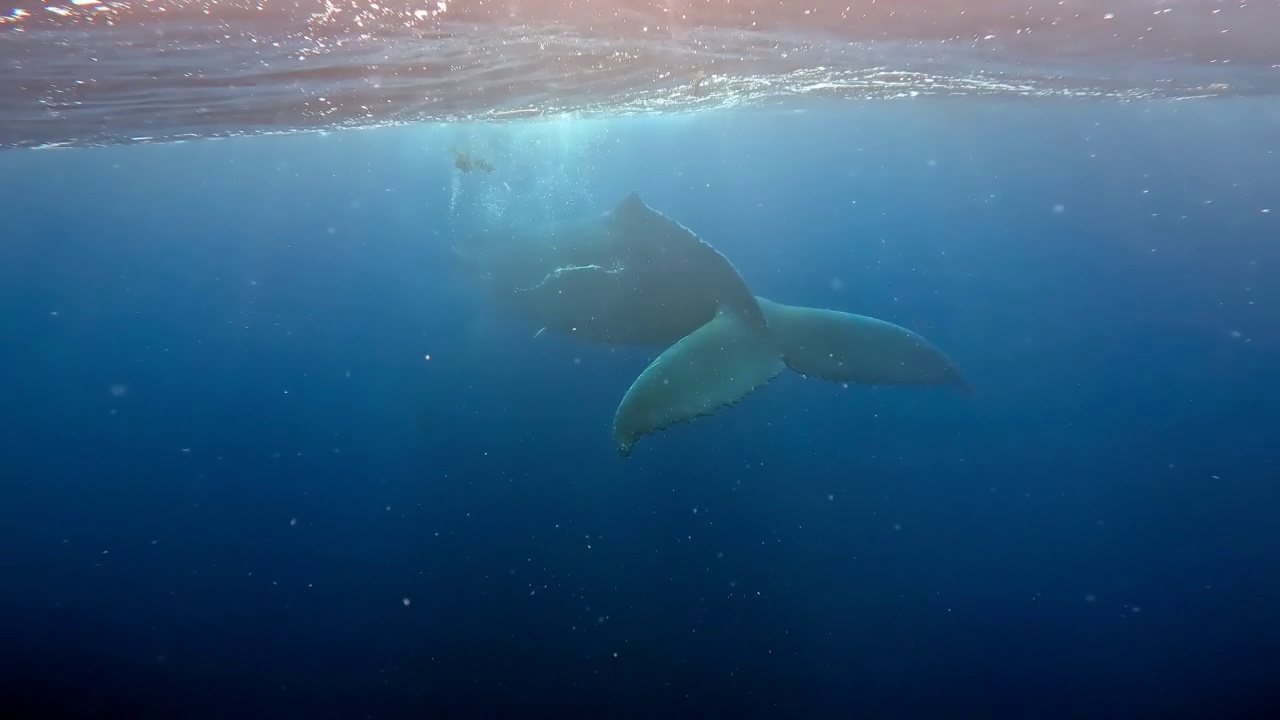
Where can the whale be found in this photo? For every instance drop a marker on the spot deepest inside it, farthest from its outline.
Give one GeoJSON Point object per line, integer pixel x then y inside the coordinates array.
{"type": "Point", "coordinates": [633, 276]}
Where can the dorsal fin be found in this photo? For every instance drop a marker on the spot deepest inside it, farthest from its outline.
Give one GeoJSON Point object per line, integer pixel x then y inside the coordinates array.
{"type": "Point", "coordinates": [646, 237]}
{"type": "Point", "coordinates": [631, 204]}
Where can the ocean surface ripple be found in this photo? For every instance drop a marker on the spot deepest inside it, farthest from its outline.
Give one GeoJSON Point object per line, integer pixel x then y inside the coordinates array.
{"type": "Point", "coordinates": [81, 72]}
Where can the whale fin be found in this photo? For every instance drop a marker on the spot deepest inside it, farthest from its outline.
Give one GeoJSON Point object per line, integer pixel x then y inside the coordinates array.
{"type": "Point", "coordinates": [844, 347]}
{"type": "Point", "coordinates": [680, 270]}
{"type": "Point", "coordinates": [705, 371]}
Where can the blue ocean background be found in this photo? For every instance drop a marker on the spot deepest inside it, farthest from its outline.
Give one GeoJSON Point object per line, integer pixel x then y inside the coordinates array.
{"type": "Point", "coordinates": [268, 452]}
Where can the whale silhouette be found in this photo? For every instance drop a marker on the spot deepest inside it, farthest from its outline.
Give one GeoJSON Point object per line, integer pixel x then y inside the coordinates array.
{"type": "Point", "coordinates": [634, 276]}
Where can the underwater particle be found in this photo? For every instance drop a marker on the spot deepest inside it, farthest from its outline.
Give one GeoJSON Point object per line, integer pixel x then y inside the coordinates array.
{"type": "Point", "coordinates": [1090, 598]}
{"type": "Point", "coordinates": [1059, 209]}
{"type": "Point", "coordinates": [897, 526]}
{"type": "Point", "coordinates": [426, 357]}
{"type": "Point", "coordinates": [293, 522]}
{"type": "Point", "coordinates": [405, 601]}
{"type": "Point", "coordinates": [119, 390]}
{"type": "Point", "coordinates": [831, 496]}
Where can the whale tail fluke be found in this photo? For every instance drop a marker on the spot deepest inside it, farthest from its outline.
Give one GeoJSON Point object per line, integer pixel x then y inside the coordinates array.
{"type": "Point", "coordinates": [709, 369]}
{"type": "Point", "coordinates": [843, 347]}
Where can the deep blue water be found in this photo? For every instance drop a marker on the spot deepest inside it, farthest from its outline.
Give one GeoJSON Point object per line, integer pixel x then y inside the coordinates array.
{"type": "Point", "coordinates": [234, 486]}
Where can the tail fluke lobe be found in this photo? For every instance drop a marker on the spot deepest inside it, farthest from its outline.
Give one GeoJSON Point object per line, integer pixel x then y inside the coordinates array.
{"type": "Point", "coordinates": [844, 347]}
{"type": "Point", "coordinates": [702, 373]}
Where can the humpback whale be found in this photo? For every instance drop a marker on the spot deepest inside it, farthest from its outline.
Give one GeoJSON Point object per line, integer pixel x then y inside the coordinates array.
{"type": "Point", "coordinates": [632, 275]}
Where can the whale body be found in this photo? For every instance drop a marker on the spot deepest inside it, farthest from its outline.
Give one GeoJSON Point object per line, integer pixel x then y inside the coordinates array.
{"type": "Point", "coordinates": [633, 276]}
